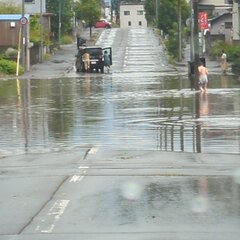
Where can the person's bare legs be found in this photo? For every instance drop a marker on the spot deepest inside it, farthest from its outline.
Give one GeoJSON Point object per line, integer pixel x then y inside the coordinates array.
{"type": "Point", "coordinates": [201, 88]}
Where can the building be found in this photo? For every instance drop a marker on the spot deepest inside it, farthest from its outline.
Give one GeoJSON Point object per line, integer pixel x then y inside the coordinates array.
{"type": "Point", "coordinates": [221, 28]}
{"type": "Point", "coordinates": [10, 26]}
{"type": "Point", "coordinates": [132, 15]}
{"type": "Point", "coordinates": [222, 7]}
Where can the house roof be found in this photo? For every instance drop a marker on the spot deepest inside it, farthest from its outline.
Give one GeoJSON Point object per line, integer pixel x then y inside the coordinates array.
{"type": "Point", "coordinates": [222, 16]}
{"type": "Point", "coordinates": [12, 17]}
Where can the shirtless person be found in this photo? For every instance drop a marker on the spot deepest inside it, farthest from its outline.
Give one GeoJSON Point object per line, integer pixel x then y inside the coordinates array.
{"type": "Point", "coordinates": [203, 77]}
{"type": "Point", "coordinates": [86, 60]}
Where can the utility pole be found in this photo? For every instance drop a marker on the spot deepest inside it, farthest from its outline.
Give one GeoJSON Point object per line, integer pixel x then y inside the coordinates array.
{"type": "Point", "coordinates": [41, 31]}
{"type": "Point", "coordinates": [156, 13]}
{"type": "Point", "coordinates": [59, 21]}
{"type": "Point", "coordinates": [196, 42]}
{"type": "Point", "coordinates": [179, 31]}
{"type": "Point", "coordinates": [23, 36]}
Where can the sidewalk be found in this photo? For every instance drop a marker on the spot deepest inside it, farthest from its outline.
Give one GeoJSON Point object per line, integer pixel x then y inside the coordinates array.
{"type": "Point", "coordinates": [213, 66]}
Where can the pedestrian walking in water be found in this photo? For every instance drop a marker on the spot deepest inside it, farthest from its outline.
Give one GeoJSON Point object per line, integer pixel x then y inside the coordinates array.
{"type": "Point", "coordinates": [107, 61]}
{"type": "Point", "coordinates": [223, 62]}
{"type": "Point", "coordinates": [202, 77]}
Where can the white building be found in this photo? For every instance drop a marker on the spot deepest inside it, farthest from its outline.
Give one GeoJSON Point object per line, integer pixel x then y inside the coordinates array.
{"type": "Point", "coordinates": [30, 6]}
{"type": "Point", "coordinates": [132, 15]}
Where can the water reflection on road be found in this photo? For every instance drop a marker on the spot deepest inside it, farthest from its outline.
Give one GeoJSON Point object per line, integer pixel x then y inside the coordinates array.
{"type": "Point", "coordinates": [119, 110]}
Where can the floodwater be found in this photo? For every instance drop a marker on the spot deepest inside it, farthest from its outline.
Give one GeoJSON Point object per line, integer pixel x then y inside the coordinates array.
{"type": "Point", "coordinates": [143, 103]}
{"type": "Point", "coordinates": [150, 111]}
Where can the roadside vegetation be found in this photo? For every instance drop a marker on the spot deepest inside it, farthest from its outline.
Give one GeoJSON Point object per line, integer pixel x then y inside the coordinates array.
{"type": "Point", "coordinates": [8, 57]}
{"type": "Point", "coordinates": [89, 11]}
{"type": "Point", "coordinates": [165, 18]}
{"type": "Point", "coordinates": [232, 51]}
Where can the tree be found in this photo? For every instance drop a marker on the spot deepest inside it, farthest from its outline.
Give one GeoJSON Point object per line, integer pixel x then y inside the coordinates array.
{"type": "Point", "coordinates": [63, 16]}
{"type": "Point", "coordinates": [167, 13]}
{"type": "Point", "coordinates": [89, 11]}
{"type": "Point", "coordinates": [167, 21]}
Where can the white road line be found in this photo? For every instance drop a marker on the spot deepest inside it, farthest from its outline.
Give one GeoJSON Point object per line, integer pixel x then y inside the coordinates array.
{"type": "Point", "coordinates": [76, 178]}
{"type": "Point", "coordinates": [54, 214]}
{"type": "Point", "coordinates": [93, 150]}
{"type": "Point", "coordinates": [83, 167]}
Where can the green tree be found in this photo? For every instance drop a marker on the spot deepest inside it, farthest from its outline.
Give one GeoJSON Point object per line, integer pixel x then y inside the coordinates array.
{"type": "Point", "coordinates": [150, 12]}
{"type": "Point", "coordinates": [167, 13]}
{"type": "Point", "coordinates": [63, 11]}
{"type": "Point", "coordinates": [168, 20]}
{"type": "Point", "coordinates": [89, 11]}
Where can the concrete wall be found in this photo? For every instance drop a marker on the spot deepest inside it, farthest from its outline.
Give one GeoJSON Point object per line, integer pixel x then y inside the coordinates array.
{"type": "Point", "coordinates": [132, 16]}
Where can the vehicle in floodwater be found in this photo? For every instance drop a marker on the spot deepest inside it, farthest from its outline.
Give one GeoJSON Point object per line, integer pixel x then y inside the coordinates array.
{"type": "Point", "coordinates": [96, 62]}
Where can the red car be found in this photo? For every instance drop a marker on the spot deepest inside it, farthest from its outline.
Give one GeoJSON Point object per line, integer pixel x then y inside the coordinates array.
{"type": "Point", "coordinates": [102, 24]}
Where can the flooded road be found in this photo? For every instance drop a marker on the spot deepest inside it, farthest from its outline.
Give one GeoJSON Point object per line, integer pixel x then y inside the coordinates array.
{"type": "Point", "coordinates": [142, 104]}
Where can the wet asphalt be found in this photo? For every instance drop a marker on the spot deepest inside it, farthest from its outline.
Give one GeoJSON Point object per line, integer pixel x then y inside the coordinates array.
{"type": "Point", "coordinates": [110, 191]}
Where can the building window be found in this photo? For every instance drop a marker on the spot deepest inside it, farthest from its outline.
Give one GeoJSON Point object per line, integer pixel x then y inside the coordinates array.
{"type": "Point", "coordinates": [129, 23]}
{"type": "Point", "coordinates": [126, 12]}
{"type": "Point", "coordinates": [140, 23]}
{"type": "Point", "coordinates": [29, 1]}
{"type": "Point", "coordinates": [228, 25]}
{"type": "Point", "coordinates": [140, 12]}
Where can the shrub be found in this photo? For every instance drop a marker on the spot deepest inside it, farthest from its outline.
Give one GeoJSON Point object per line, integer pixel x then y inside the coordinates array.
{"type": "Point", "coordinates": [236, 66]}
{"type": "Point", "coordinates": [66, 39]}
{"type": "Point", "coordinates": [233, 53]}
{"type": "Point", "coordinates": [216, 49]}
{"type": "Point", "coordinates": [9, 67]}
{"type": "Point", "coordinates": [11, 53]}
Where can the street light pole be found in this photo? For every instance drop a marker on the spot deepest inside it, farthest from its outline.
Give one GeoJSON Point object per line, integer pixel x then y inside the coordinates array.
{"type": "Point", "coordinates": [23, 36]}
{"type": "Point", "coordinates": [41, 31]}
{"type": "Point", "coordinates": [59, 22]}
{"type": "Point", "coordinates": [179, 31]}
{"type": "Point", "coordinates": [196, 42]}
{"type": "Point", "coordinates": [156, 13]}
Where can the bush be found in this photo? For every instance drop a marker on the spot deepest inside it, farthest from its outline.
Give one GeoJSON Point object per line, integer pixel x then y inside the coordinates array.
{"type": "Point", "coordinates": [216, 49]}
{"type": "Point", "coordinates": [9, 67]}
{"type": "Point", "coordinates": [236, 66]}
{"type": "Point", "coordinates": [233, 53]}
{"type": "Point", "coordinates": [66, 39]}
{"type": "Point", "coordinates": [11, 53]}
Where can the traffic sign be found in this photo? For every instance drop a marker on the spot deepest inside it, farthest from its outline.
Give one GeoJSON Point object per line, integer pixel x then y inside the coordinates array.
{"type": "Point", "coordinates": [23, 20]}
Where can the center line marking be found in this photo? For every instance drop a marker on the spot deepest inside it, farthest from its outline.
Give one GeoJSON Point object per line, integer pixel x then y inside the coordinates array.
{"type": "Point", "coordinates": [76, 178]}
{"type": "Point", "coordinates": [54, 214]}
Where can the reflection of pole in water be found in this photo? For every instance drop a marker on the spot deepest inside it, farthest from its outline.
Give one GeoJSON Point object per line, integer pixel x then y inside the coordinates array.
{"type": "Point", "coordinates": [200, 203]}
{"type": "Point", "coordinates": [198, 125]}
{"type": "Point", "coordinates": [203, 105]}
{"type": "Point", "coordinates": [26, 118]}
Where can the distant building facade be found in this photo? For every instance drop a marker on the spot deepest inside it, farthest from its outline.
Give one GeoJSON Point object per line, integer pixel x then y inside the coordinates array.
{"type": "Point", "coordinates": [132, 15]}
{"type": "Point", "coordinates": [221, 28]}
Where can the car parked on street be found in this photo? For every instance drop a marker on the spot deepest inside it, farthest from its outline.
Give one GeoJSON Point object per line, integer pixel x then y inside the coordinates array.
{"type": "Point", "coordinates": [96, 61]}
{"type": "Point", "coordinates": [103, 23]}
